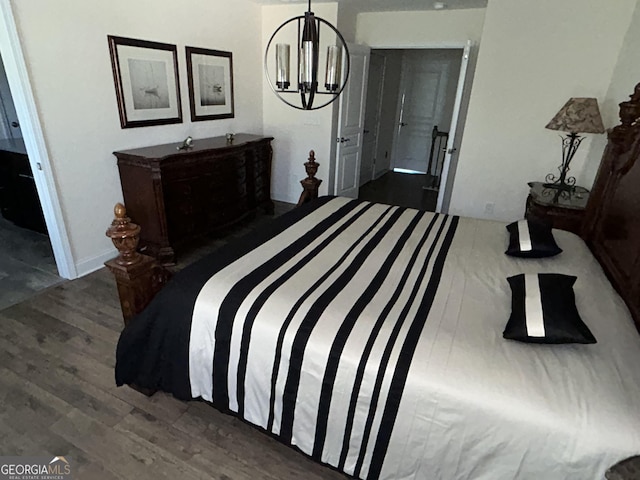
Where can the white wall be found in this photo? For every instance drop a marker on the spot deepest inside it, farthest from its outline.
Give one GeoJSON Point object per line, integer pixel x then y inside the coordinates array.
{"type": "Point", "coordinates": [65, 45]}
{"type": "Point", "coordinates": [295, 131]}
{"type": "Point", "coordinates": [535, 54]}
{"type": "Point", "coordinates": [626, 76]}
{"type": "Point", "coordinates": [433, 28]}
{"type": "Point", "coordinates": [347, 20]}
{"type": "Point", "coordinates": [533, 57]}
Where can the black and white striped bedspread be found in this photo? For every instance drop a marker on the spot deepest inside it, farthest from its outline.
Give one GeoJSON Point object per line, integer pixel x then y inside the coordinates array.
{"type": "Point", "coordinates": [311, 335]}
{"type": "Point", "coordinates": [370, 337]}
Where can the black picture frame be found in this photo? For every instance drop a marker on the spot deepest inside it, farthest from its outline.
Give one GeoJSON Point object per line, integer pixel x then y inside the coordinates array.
{"type": "Point", "coordinates": [210, 79]}
{"type": "Point", "coordinates": [147, 84]}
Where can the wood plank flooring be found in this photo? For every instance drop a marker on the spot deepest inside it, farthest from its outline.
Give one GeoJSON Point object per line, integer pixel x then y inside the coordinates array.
{"type": "Point", "coordinates": [26, 263]}
{"type": "Point", "coordinates": [58, 397]}
{"type": "Point", "coordinates": [403, 189]}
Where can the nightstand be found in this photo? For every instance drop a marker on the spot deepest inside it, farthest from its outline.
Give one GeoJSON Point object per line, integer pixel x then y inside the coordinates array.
{"type": "Point", "coordinates": [560, 208]}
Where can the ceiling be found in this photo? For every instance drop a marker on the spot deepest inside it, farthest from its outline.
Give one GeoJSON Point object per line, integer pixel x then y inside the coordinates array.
{"type": "Point", "coordinates": [389, 5]}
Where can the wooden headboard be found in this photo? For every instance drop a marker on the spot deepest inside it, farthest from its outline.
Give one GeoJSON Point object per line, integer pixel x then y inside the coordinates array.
{"type": "Point", "coordinates": [612, 225]}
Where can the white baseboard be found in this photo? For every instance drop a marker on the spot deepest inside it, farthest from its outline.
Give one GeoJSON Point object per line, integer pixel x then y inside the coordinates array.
{"type": "Point", "coordinates": [89, 265]}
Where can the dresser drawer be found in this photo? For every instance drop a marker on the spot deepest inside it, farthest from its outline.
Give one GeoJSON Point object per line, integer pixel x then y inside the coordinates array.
{"type": "Point", "coordinates": [179, 195]}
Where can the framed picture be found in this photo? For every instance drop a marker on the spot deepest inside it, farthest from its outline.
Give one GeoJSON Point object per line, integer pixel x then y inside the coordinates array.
{"type": "Point", "coordinates": [146, 79]}
{"type": "Point", "coordinates": [210, 75]}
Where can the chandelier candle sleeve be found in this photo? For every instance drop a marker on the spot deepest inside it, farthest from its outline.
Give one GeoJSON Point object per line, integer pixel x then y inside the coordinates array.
{"type": "Point", "coordinates": [282, 66]}
{"type": "Point", "coordinates": [309, 53]}
{"type": "Point", "coordinates": [307, 64]}
{"type": "Point", "coordinates": [332, 78]}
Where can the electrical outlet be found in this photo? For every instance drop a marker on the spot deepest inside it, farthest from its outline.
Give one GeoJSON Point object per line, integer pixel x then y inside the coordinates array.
{"type": "Point", "coordinates": [488, 208]}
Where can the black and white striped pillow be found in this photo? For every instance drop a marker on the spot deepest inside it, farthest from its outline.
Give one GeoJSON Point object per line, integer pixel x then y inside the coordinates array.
{"type": "Point", "coordinates": [531, 240]}
{"type": "Point", "coordinates": [543, 310]}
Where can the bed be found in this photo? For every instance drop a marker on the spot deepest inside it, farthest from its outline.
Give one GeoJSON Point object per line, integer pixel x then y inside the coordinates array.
{"type": "Point", "coordinates": [369, 337]}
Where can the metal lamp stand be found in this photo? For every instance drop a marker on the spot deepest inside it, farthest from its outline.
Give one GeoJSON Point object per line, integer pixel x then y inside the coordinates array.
{"type": "Point", "coordinates": [570, 145]}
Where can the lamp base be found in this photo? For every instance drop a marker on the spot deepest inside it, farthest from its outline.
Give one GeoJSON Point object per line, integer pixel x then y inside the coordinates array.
{"type": "Point", "coordinates": [564, 182]}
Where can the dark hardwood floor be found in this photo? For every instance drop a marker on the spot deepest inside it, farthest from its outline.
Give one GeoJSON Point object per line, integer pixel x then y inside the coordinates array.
{"type": "Point", "coordinates": [26, 263]}
{"type": "Point", "coordinates": [403, 189]}
{"type": "Point", "coordinates": [58, 397]}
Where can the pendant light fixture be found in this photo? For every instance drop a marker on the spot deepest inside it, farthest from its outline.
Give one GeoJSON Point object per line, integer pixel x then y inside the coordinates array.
{"type": "Point", "coordinates": [307, 92]}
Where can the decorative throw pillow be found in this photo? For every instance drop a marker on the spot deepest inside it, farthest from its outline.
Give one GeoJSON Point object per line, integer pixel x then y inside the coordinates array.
{"type": "Point", "coordinates": [543, 310]}
{"type": "Point", "coordinates": [531, 240]}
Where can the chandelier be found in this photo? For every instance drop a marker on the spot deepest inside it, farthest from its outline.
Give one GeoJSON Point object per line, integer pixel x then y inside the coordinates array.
{"type": "Point", "coordinates": [306, 94]}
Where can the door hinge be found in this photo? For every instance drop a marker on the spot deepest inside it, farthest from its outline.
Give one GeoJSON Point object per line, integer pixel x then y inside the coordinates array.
{"type": "Point", "coordinates": [39, 165]}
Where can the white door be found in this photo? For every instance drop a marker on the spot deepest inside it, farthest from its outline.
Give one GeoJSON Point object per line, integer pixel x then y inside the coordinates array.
{"type": "Point", "coordinates": [446, 182]}
{"type": "Point", "coordinates": [372, 117]}
{"type": "Point", "coordinates": [351, 124]}
{"type": "Point", "coordinates": [423, 88]}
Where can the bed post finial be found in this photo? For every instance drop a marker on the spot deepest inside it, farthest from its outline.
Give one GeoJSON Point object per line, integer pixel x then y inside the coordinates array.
{"type": "Point", "coordinates": [138, 276]}
{"type": "Point", "coordinates": [310, 184]}
{"type": "Point", "coordinates": [125, 235]}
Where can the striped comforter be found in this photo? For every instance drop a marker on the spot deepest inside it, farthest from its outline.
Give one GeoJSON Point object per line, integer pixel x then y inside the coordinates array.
{"type": "Point", "coordinates": [367, 336]}
{"type": "Point", "coordinates": [340, 298]}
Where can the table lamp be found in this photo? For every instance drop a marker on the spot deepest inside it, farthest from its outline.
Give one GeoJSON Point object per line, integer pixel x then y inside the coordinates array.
{"type": "Point", "coordinates": [578, 115]}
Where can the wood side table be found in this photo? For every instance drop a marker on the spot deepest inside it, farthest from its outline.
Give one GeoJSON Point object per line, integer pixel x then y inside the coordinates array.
{"type": "Point", "coordinates": [560, 208]}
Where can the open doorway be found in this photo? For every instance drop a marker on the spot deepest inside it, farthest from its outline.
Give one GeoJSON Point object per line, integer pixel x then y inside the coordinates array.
{"type": "Point", "coordinates": [27, 263]}
{"type": "Point", "coordinates": [412, 97]}
{"type": "Point", "coordinates": [23, 98]}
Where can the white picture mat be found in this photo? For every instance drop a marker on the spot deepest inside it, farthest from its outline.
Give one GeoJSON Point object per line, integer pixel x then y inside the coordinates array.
{"type": "Point", "coordinates": [128, 52]}
{"type": "Point", "coordinates": [213, 61]}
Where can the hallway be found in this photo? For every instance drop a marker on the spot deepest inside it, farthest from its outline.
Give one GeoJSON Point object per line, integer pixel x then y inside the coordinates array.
{"type": "Point", "coordinates": [401, 189]}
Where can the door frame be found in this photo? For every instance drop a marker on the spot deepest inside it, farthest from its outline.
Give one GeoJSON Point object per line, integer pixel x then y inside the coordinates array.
{"type": "Point", "coordinates": [463, 90]}
{"type": "Point", "coordinates": [454, 130]}
{"type": "Point", "coordinates": [22, 93]}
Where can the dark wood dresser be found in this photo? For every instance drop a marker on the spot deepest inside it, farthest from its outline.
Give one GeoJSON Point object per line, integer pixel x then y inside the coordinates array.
{"type": "Point", "coordinates": [178, 195]}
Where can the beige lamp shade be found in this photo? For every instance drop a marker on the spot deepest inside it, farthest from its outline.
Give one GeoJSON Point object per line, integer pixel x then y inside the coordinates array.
{"type": "Point", "coordinates": [579, 115]}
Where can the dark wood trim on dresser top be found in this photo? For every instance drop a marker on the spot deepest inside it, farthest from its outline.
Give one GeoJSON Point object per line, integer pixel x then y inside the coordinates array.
{"type": "Point", "coordinates": [177, 195]}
